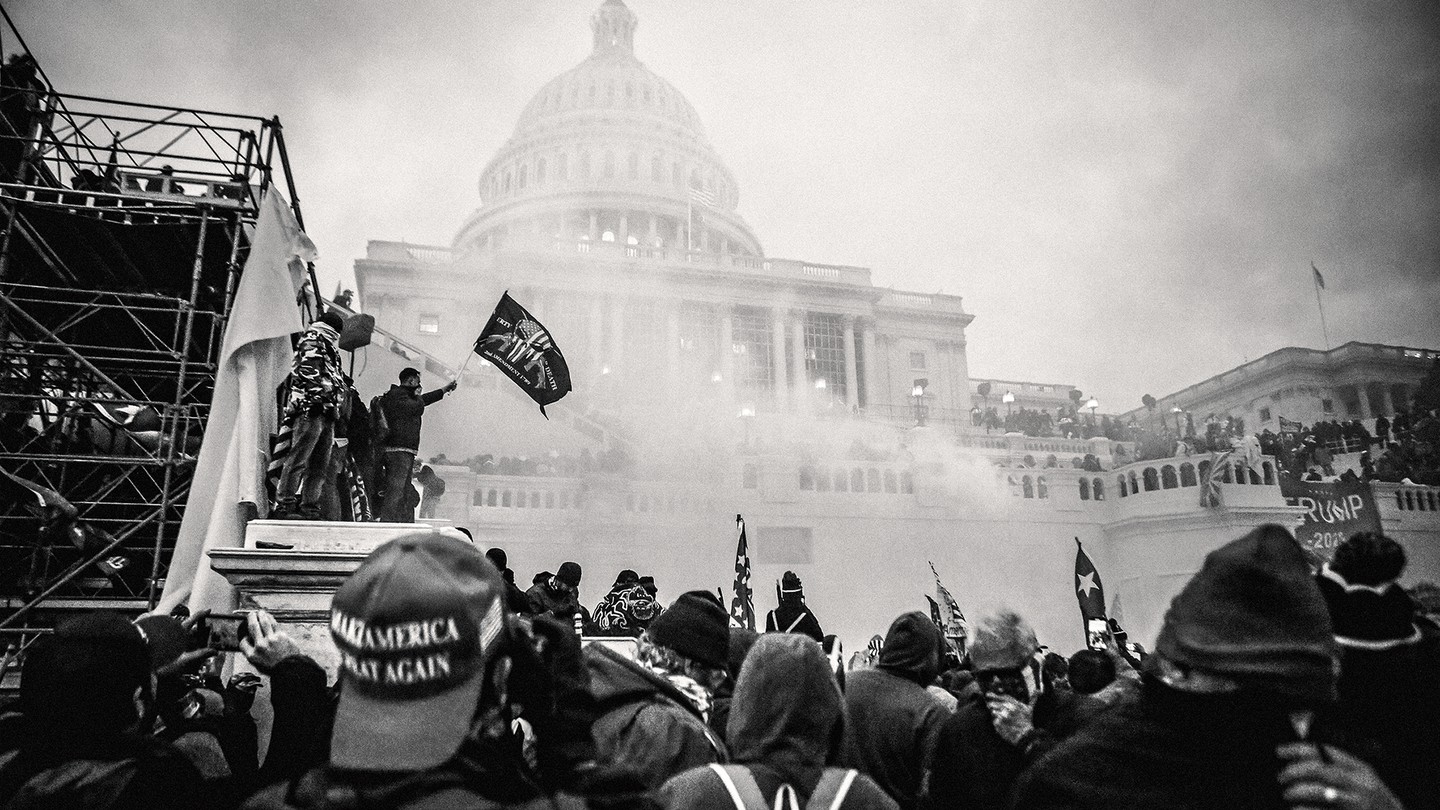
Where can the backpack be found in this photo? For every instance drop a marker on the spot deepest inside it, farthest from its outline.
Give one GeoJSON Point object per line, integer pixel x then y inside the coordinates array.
{"type": "Point", "coordinates": [379, 424]}
{"type": "Point", "coordinates": [829, 793]}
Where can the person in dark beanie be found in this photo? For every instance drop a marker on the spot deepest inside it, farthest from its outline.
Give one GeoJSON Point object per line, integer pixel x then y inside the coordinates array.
{"type": "Point", "coordinates": [515, 599]}
{"type": "Point", "coordinates": [317, 394]}
{"type": "Point", "coordinates": [559, 597]}
{"type": "Point", "coordinates": [83, 695]}
{"type": "Point", "coordinates": [1090, 671]}
{"type": "Point", "coordinates": [401, 410]}
{"type": "Point", "coordinates": [893, 720]}
{"type": "Point", "coordinates": [1244, 659]}
{"type": "Point", "coordinates": [1389, 672]}
{"type": "Point", "coordinates": [786, 725]}
{"type": "Point", "coordinates": [652, 712]}
{"type": "Point", "coordinates": [793, 615]}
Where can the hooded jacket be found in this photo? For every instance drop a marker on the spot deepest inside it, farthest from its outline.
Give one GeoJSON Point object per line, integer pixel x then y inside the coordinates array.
{"type": "Point", "coordinates": [786, 724]}
{"type": "Point", "coordinates": [644, 722]}
{"type": "Point", "coordinates": [892, 719]}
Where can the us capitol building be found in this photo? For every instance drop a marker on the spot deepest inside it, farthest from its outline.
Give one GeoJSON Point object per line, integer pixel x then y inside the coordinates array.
{"type": "Point", "coordinates": [711, 379]}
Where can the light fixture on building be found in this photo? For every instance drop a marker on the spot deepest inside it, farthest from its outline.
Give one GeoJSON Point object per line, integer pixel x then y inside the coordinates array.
{"type": "Point", "coordinates": [820, 384]}
{"type": "Point", "coordinates": [918, 392]}
{"type": "Point", "coordinates": [715, 378]}
{"type": "Point", "coordinates": [1092, 405]}
{"type": "Point", "coordinates": [747, 411]}
{"type": "Point", "coordinates": [1009, 400]}
{"type": "Point", "coordinates": [605, 369]}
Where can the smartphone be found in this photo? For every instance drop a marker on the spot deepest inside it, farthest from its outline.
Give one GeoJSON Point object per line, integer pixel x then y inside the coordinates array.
{"type": "Point", "coordinates": [224, 631]}
{"type": "Point", "coordinates": [1097, 634]}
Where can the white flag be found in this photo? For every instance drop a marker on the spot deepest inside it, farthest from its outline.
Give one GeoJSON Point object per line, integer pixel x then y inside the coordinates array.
{"type": "Point", "coordinates": [254, 360]}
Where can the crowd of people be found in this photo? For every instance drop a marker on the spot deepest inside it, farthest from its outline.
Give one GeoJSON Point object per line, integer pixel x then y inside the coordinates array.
{"type": "Point", "coordinates": [1271, 685]}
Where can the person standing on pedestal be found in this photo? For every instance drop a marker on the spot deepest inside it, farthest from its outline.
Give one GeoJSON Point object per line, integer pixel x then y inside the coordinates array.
{"type": "Point", "coordinates": [317, 385]}
{"type": "Point", "coordinates": [403, 405]}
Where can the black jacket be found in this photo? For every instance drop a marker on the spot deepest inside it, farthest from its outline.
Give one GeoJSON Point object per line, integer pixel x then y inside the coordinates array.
{"type": "Point", "coordinates": [402, 415]}
{"type": "Point", "coordinates": [782, 618]}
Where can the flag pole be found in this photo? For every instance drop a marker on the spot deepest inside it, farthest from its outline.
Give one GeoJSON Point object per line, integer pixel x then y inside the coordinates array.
{"type": "Point", "coordinates": [1315, 279]}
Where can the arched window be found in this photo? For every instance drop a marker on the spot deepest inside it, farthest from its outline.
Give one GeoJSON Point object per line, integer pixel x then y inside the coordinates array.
{"type": "Point", "coordinates": [540, 172]}
{"type": "Point", "coordinates": [505, 498]}
{"type": "Point", "coordinates": [1028, 486]}
{"type": "Point", "coordinates": [479, 499]}
{"type": "Point", "coordinates": [534, 500]}
{"type": "Point", "coordinates": [890, 483]}
{"type": "Point", "coordinates": [490, 498]}
{"type": "Point", "coordinates": [807, 477]}
{"type": "Point", "coordinates": [857, 480]}
{"type": "Point", "coordinates": [1042, 490]}
{"type": "Point", "coordinates": [872, 480]}
{"type": "Point", "coordinates": [520, 500]}
{"type": "Point", "coordinates": [1134, 484]}
{"type": "Point", "coordinates": [751, 476]}
{"type": "Point", "coordinates": [1187, 474]}
{"type": "Point", "coordinates": [842, 481]}
{"type": "Point", "coordinates": [1167, 477]}
{"type": "Point", "coordinates": [634, 166]}
{"type": "Point", "coordinates": [907, 483]}
{"type": "Point", "coordinates": [1084, 489]}
{"type": "Point", "coordinates": [1099, 490]}
{"type": "Point", "coordinates": [1152, 479]}
{"type": "Point", "coordinates": [1124, 490]}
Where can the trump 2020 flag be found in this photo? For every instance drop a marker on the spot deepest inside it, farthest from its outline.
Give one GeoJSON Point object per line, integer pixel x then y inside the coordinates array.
{"type": "Point", "coordinates": [1088, 589]}
{"type": "Point", "coordinates": [742, 607]}
{"type": "Point", "coordinates": [521, 347]}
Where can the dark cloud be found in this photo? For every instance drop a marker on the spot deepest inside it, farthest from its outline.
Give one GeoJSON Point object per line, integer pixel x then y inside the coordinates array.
{"type": "Point", "coordinates": [1129, 195]}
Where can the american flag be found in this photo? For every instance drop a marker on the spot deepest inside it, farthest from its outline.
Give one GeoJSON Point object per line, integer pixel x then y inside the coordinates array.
{"type": "Point", "coordinates": [954, 625]}
{"type": "Point", "coordinates": [1210, 487]}
{"type": "Point", "coordinates": [702, 196]}
{"type": "Point", "coordinates": [742, 607]}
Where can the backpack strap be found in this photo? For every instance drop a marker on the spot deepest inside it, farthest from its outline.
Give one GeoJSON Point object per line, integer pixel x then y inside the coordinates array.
{"type": "Point", "coordinates": [741, 786]}
{"type": "Point", "coordinates": [786, 797]}
{"type": "Point", "coordinates": [831, 790]}
{"type": "Point", "coordinates": [797, 621]}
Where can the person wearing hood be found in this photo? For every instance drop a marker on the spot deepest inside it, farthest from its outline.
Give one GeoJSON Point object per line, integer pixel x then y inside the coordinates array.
{"type": "Point", "coordinates": [1226, 716]}
{"type": "Point", "coordinates": [402, 408]}
{"type": "Point", "coordinates": [317, 393]}
{"type": "Point", "coordinates": [627, 609]}
{"type": "Point", "coordinates": [1389, 671]}
{"type": "Point", "coordinates": [893, 720]}
{"type": "Point", "coordinates": [515, 599]}
{"type": "Point", "coordinates": [559, 596]}
{"type": "Point", "coordinates": [996, 733]}
{"type": "Point", "coordinates": [785, 729]}
{"type": "Point", "coordinates": [652, 711]}
{"type": "Point", "coordinates": [793, 615]}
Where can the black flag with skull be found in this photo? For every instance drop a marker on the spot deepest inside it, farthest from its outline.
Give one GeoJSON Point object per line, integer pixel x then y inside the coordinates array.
{"type": "Point", "coordinates": [521, 347]}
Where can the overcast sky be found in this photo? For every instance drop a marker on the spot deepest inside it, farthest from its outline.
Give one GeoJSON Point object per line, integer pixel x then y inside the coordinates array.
{"type": "Point", "coordinates": [1128, 195]}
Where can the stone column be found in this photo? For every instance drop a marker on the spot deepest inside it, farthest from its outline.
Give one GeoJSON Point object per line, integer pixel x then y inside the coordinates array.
{"type": "Point", "coordinates": [618, 360]}
{"type": "Point", "coordinates": [1362, 391]}
{"type": "Point", "coordinates": [852, 383]}
{"type": "Point", "coordinates": [624, 236]}
{"type": "Point", "coordinates": [597, 335]}
{"type": "Point", "coordinates": [867, 345]}
{"type": "Point", "coordinates": [727, 352]}
{"type": "Point", "coordinates": [781, 382]}
{"type": "Point", "coordinates": [653, 232]}
{"type": "Point", "coordinates": [672, 351]}
{"type": "Point", "coordinates": [797, 357]}
{"type": "Point", "coordinates": [594, 226]}
{"type": "Point", "coordinates": [1386, 401]}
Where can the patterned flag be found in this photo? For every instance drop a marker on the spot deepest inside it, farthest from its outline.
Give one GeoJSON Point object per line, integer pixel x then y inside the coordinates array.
{"type": "Point", "coordinates": [742, 607]}
{"type": "Point", "coordinates": [953, 622]}
{"type": "Point", "coordinates": [700, 195]}
{"type": "Point", "coordinates": [1319, 279]}
{"type": "Point", "coordinates": [517, 344]}
{"type": "Point", "coordinates": [1088, 589]}
{"type": "Point", "coordinates": [935, 611]}
{"type": "Point", "coordinates": [1210, 487]}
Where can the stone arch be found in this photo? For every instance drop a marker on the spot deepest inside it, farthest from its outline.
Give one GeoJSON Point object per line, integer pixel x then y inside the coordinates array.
{"type": "Point", "coordinates": [1099, 489]}
{"type": "Point", "coordinates": [1152, 479]}
{"type": "Point", "coordinates": [1187, 475]}
{"type": "Point", "coordinates": [1084, 489]}
{"type": "Point", "coordinates": [1168, 479]}
{"type": "Point", "coordinates": [1042, 490]}
{"type": "Point", "coordinates": [1120, 482]}
{"type": "Point", "coordinates": [1027, 486]}
{"type": "Point", "coordinates": [857, 480]}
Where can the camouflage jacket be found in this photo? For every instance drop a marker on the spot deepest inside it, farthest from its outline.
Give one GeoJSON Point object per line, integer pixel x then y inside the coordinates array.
{"type": "Point", "coordinates": [317, 381]}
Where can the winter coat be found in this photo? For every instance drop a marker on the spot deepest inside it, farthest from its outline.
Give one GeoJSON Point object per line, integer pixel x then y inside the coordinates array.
{"type": "Point", "coordinates": [317, 380]}
{"type": "Point", "coordinates": [403, 410]}
{"type": "Point", "coordinates": [626, 611]}
{"type": "Point", "coordinates": [972, 766]}
{"type": "Point", "coordinates": [644, 722]}
{"type": "Point", "coordinates": [784, 619]}
{"type": "Point", "coordinates": [124, 773]}
{"type": "Point", "coordinates": [557, 603]}
{"type": "Point", "coordinates": [1168, 749]}
{"type": "Point", "coordinates": [891, 720]}
{"type": "Point", "coordinates": [785, 719]}
{"type": "Point", "coordinates": [439, 789]}
{"type": "Point", "coordinates": [1391, 699]}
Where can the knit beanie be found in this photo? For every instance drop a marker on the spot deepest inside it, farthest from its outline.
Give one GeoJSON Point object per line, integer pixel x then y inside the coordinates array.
{"type": "Point", "coordinates": [790, 584]}
{"type": "Point", "coordinates": [1002, 641]}
{"type": "Point", "coordinates": [697, 627]}
{"type": "Point", "coordinates": [1253, 613]}
{"type": "Point", "coordinates": [1369, 609]}
{"type": "Point", "coordinates": [569, 574]}
{"type": "Point", "coordinates": [498, 557]}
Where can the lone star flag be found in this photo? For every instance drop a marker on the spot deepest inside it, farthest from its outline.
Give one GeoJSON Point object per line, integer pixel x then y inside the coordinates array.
{"type": "Point", "coordinates": [1088, 590]}
{"type": "Point", "coordinates": [742, 607]}
{"type": "Point", "coordinates": [517, 344]}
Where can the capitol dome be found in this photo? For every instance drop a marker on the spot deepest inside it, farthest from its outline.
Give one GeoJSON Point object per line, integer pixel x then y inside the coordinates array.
{"type": "Point", "coordinates": [609, 150]}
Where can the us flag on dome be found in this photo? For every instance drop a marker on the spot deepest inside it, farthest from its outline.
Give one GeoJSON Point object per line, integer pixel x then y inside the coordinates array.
{"type": "Point", "coordinates": [521, 347]}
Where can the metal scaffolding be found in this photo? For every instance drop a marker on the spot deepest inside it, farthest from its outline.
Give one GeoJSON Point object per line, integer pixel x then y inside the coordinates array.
{"type": "Point", "coordinates": [123, 229]}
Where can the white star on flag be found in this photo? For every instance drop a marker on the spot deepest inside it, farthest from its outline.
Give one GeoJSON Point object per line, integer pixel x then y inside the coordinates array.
{"type": "Point", "coordinates": [1086, 583]}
